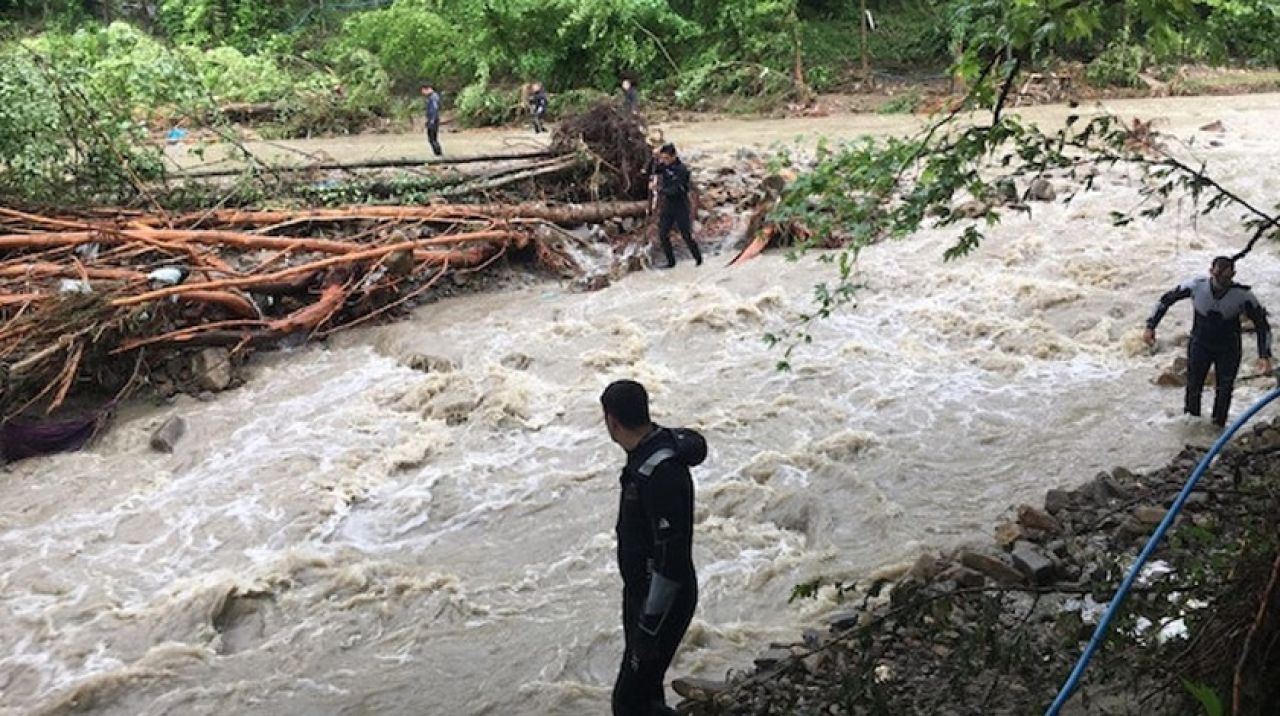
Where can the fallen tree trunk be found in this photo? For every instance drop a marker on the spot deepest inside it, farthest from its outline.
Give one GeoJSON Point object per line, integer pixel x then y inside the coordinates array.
{"type": "Point", "coordinates": [391, 163]}
{"type": "Point", "coordinates": [457, 257]}
{"type": "Point", "coordinates": [571, 214]}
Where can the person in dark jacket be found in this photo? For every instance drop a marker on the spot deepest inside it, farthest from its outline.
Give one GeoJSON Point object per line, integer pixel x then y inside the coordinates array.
{"type": "Point", "coordinates": [655, 545]}
{"type": "Point", "coordinates": [630, 97]}
{"type": "Point", "coordinates": [1215, 333]}
{"type": "Point", "coordinates": [538, 107]}
{"type": "Point", "coordinates": [432, 107]}
{"type": "Point", "coordinates": [671, 182]}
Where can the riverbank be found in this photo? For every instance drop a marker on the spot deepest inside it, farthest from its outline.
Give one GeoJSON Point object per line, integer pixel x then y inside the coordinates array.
{"type": "Point", "coordinates": [996, 628]}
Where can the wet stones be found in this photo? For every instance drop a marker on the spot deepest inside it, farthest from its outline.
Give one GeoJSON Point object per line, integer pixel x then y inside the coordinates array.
{"type": "Point", "coordinates": [516, 361]}
{"type": "Point", "coordinates": [1149, 515]}
{"type": "Point", "coordinates": [1056, 501]}
{"type": "Point", "coordinates": [430, 364]}
{"type": "Point", "coordinates": [992, 567]}
{"type": "Point", "coordinates": [1041, 190]}
{"type": "Point", "coordinates": [1034, 519]}
{"type": "Point", "coordinates": [211, 369]}
{"type": "Point", "coordinates": [1033, 563]}
{"type": "Point", "coordinates": [168, 434]}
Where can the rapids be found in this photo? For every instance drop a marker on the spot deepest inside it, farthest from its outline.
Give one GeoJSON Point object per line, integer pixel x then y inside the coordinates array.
{"type": "Point", "coordinates": [348, 535]}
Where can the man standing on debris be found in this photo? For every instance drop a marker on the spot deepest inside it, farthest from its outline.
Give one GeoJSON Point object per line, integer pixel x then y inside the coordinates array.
{"type": "Point", "coordinates": [655, 545]}
{"type": "Point", "coordinates": [432, 99]}
{"type": "Point", "coordinates": [538, 107]}
{"type": "Point", "coordinates": [630, 98]}
{"type": "Point", "coordinates": [1215, 333]}
{"type": "Point", "coordinates": [671, 182]}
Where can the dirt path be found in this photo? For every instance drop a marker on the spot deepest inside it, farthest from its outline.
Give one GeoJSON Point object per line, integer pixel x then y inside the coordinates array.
{"type": "Point", "coordinates": [711, 135]}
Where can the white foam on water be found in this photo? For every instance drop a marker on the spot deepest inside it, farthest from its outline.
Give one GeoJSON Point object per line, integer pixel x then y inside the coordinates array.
{"type": "Point", "coordinates": [348, 534]}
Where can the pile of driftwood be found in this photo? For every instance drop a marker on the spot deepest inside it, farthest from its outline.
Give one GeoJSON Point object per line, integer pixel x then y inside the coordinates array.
{"type": "Point", "coordinates": [89, 298]}
{"type": "Point", "coordinates": [97, 302]}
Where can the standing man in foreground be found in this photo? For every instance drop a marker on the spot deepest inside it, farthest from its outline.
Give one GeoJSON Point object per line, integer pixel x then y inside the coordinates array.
{"type": "Point", "coordinates": [432, 106]}
{"type": "Point", "coordinates": [1215, 333]}
{"type": "Point", "coordinates": [671, 178]}
{"type": "Point", "coordinates": [655, 545]}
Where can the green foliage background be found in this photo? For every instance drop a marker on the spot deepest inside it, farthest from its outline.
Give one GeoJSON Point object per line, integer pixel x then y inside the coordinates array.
{"type": "Point", "coordinates": [337, 66]}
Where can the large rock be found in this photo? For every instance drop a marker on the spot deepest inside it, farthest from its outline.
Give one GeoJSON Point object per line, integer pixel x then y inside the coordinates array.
{"type": "Point", "coordinates": [1032, 562]}
{"type": "Point", "coordinates": [1042, 190]}
{"type": "Point", "coordinates": [430, 364]}
{"type": "Point", "coordinates": [1034, 519]}
{"type": "Point", "coordinates": [168, 434]}
{"type": "Point", "coordinates": [1056, 501]}
{"type": "Point", "coordinates": [962, 576]}
{"type": "Point", "coordinates": [211, 368]}
{"type": "Point", "coordinates": [926, 567]}
{"type": "Point", "coordinates": [993, 567]}
{"type": "Point", "coordinates": [1104, 489]}
{"type": "Point", "coordinates": [772, 657]}
{"type": "Point", "coordinates": [1149, 514]}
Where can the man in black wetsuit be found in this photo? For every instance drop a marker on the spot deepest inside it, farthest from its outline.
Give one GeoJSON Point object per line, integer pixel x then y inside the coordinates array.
{"type": "Point", "coordinates": [655, 544]}
{"type": "Point", "coordinates": [671, 180]}
{"type": "Point", "coordinates": [538, 107]}
{"type": "Point", "coordinates": [431, 103]}
{"type": "Point", "coordinates": [1215, 333]}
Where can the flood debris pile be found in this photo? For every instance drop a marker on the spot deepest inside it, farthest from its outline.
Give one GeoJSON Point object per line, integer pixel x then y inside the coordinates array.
{"type": "Point", "coordinates": [96, 303]}
{"type": "Point", "coordinates": [997, 628]}
{"type": "Point", "coordinates": [615, 147]}
{"type": "Point", "coordinates": [97, 299]}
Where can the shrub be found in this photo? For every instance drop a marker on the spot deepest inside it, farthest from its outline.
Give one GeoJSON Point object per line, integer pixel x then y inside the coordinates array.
{"type": "Point", "coordinates": [1118, 66]}
{"type": "Point", "coordinates": [479, 105]}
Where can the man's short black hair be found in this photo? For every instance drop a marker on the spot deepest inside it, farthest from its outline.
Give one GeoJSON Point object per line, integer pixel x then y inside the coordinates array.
{"type": "Point", "coordinates": [628, 402]}
{"type": "Point", "coordinates": [667, 148]}
{"type": "Point", "coordinates": [1221, 261]}
{"type": "Point", "coordinates": [426, 85]}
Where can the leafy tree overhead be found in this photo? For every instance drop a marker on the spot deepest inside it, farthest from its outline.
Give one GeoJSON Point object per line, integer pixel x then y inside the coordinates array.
{"type": "Point", "coordinates": [866, 191]}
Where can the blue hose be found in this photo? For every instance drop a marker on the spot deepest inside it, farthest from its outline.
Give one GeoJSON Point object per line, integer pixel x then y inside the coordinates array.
{"type": "Point", "coordinates": [1100, 632]}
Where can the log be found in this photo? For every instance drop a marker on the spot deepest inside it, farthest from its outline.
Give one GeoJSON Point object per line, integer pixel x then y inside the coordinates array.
{"type": "Point", "coordinates": [391, 163]}
{"type": "Point", "coordinates": [48, 269]}
{"type": "Point", "coordinates": [571, 214]}
{"type": "Point", "coordinates": [176, 238]}
{"type": "Point", "coordinates": [457, 257]}
{"type": "Point", "coordinates": [501, 179]}
{"type": "Point", "coordinates": [233, 302]}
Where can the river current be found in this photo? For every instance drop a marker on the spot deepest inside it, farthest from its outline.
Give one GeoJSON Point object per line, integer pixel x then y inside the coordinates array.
{"type": "Point", "coordinates": [348, 535]}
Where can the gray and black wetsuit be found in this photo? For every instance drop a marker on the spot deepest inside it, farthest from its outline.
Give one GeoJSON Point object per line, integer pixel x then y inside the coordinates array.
{"type": "Point", "coordinates": [655, 557]}
{"type": "Point", "coordinates": [1215, 337]}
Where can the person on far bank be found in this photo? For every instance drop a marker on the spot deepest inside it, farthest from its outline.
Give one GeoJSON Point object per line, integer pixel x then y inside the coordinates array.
{"type": "Point", "coordinates": [655, 545]}
{"type": "Point", "coordinates": [630, 97]}
{"type": "Point", "coordinates": [1215, 333]}
{"type": "Point", "coordinates": [431, 100]}
{"type": "Point", "coordinates": [671, 181]}
{"type": "Point", "coordinates": [538, 107]}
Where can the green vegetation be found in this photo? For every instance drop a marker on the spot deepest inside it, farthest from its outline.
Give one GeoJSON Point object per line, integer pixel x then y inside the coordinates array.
{"type": "Point", "coordinates": [85, 80]}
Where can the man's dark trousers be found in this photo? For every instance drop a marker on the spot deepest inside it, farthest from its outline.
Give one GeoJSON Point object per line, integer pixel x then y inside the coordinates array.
{"type": "Point", "coordinates": [676, 213]}
{"type": "Point", "coordinates": [1226, 364]}
{"type": "Point", "coordinates": [433, 136]}
{"type": "Point", "coordinates": [638, 690]}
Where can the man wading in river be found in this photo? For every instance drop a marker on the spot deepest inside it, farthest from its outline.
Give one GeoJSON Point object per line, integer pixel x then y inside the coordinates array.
{"type": "Point", "coordinates": [655, 545]}
{"type": "Point", "coordinates": [671, 181]}
{"type": "Point", "coordinates": [1215, 333]}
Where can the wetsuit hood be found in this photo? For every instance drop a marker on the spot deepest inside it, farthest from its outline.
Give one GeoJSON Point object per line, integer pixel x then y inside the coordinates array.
{"type": "Point", "coordinates": [690, 446]}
